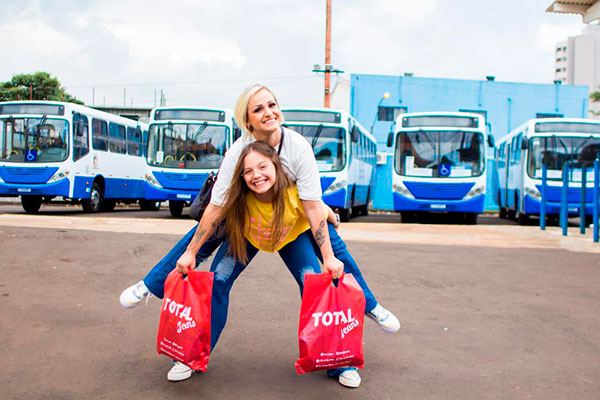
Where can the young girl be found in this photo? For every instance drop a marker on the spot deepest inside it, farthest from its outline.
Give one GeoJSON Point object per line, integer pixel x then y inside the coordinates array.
{"type": "Point", "coordinates": [263, 211]}
{"type": "Point", "coordinates": [263, 206]}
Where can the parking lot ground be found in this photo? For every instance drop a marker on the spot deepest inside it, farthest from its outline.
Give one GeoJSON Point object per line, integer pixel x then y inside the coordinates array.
{"type": "Point", "coordinates": [488, 312]}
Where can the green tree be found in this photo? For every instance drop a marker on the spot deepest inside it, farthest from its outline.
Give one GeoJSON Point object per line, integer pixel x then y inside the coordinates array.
{"type": "Point", "coordinates": [595, 98]}
{"type": "Point", "coordinates": [36, 86]}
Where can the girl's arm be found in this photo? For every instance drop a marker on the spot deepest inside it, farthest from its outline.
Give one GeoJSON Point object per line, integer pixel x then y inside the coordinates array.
{"type": "Point", "coordinates": [206, 227]}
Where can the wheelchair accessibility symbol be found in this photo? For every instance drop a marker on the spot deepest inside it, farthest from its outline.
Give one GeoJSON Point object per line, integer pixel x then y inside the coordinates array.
{"type": "Point", "coordinates": [444, 170]}
{"type": "Point", "coordinates": [31, 155]}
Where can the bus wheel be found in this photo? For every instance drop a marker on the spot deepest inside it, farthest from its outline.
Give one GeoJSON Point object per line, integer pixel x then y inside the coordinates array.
{"type": "Point", "coordinates": [510, 214]}
{"type": "Point", "coordinates": [149, 205]}
{"type": "Point", "coordinates": [344, 214]}
{"type": "Point", "coordinates": [31, 204]}
{"type": "Point", "coordinates": [503, 214]}
{"type": "Point", "coordinates": [364, 210]}
{"type": "Point", "coordinates": [408, 217]}
{"type": "Point", "coordinates": [470, 218]}
{"type": "Point", "coordinates": [176, 208]}
{"type": "Point", "coordinates": [94, 203]}
{"type": "Point", "coordinates": [522, 218]}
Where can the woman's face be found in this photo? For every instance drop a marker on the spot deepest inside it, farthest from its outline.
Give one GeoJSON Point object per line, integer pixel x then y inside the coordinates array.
{"type": "Point", "coordinates": [259, 173]}
{"type": "Point", "coordinates": [264, 114]}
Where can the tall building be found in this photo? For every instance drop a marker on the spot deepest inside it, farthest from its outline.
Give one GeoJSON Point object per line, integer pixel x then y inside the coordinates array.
{"type": "Point", "coordinates": [578, 61]}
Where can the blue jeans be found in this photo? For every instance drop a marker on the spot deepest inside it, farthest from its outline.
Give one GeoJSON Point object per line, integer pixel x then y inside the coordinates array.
{"type": "Point", "coordinates": [298, 256]}
{"type": "Point", "coordinates": [155, 280]}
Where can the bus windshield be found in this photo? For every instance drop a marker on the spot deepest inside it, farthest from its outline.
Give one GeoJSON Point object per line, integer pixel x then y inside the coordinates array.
{"type": "Point", "coordinates": [328, 145]}
{"type": "Point", "coordinates": [554, 151]}
{"type": "Point", "coordinates": [440, 154]}
{"type": "Point", "coordinates": [197, 145]}
{"type": "Point", "coordinates": [33, 140]}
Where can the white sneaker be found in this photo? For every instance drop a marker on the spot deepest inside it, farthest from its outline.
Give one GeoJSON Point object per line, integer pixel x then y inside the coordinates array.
{"type": "Point", "coordinates": [132, 296]}
{"type": "Point", "coordinates": [349, 378]}
{"type": "Point", "coordinates": [385, 319]}
{"type": "Point", "coordinates": [179, 372]}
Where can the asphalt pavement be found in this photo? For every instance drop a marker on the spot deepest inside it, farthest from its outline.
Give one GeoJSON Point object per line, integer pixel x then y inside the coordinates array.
{"type": "Point", "coordinates": [492, 311]}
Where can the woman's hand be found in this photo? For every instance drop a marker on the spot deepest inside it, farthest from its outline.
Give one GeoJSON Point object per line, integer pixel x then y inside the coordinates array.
{"type": "Point", "coordinates": [186, 262]}
{"type": "Point", "coordinates": [334, 266]}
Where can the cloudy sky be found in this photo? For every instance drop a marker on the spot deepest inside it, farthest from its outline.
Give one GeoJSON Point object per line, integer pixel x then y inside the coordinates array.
{"type": "Point", "coordinates": [205, 52]}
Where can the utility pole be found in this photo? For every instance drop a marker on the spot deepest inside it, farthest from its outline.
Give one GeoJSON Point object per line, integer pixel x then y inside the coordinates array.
{"type": "Point", "coordinates": [328, 69]}
{"type": "Point", "coordinates": [327, 52]}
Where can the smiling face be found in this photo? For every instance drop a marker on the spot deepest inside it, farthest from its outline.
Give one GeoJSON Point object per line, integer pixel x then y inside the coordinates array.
{"type": "Point", "coordinates": [260, 175]}
{"type": "Point", "coordinates": [264, 115]}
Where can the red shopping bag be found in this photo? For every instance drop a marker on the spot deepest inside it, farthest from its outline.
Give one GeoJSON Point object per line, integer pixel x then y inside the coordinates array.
{"type": "Point", "coordinates": [184, 327]}
{"type": "Point", "coordinates": [331, 324]}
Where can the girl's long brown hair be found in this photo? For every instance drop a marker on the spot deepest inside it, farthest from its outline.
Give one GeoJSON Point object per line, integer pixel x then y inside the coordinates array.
{"type": "Point", "coordinates": [236, 222]}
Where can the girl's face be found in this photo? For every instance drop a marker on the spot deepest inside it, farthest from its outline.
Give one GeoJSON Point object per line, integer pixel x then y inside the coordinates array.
{"type": "Point", "coordinates": [259, 174]}
{"type": "Point", "coordinates": [264, 114]}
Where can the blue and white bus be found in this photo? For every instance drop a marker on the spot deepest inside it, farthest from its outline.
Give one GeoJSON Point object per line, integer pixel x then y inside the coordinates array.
{"type": "Point", "coordinates": [553, 142]}
{"type": "Point", "coordinates": [439, 164]}
{"type": "Point", "coordinates": [51, 150]}
{"type": "Point", "coordinates": [346, 154]}
{"type": "Point", "coordinates": [185, 144]}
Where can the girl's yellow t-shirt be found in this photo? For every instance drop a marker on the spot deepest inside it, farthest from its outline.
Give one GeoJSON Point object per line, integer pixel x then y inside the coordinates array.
{"type": "Point", "coordinates": [260, 215]}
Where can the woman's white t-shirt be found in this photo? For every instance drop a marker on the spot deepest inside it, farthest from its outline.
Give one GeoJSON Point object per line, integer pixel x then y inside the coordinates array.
{"type": "Point", "coordinates": [298, 160]}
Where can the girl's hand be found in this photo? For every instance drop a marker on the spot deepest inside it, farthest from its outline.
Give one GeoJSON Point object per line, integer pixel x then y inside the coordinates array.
{"type": "Point", "coordinates": [186, 262]}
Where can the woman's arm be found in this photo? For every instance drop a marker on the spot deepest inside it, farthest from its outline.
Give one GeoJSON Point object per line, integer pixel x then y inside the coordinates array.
{"type": "Point", "coordinates": [206, 227]}
{"type": "Point", "coordinates": [318, 225]}
{"type": "Point", "coordinates": [332, 217]}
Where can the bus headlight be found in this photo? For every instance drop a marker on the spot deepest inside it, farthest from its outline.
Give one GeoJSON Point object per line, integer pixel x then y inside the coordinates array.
{"type": "Point", "coordinates": [335, 186]}
{"type": "Point", "coordinates": [1, 180]}
{"type": "Point", "coordinates": [402, 190]}
{"type": "Point", "coordinates": [58, 175]}
{"type": "Point", "coordinates": [476, 191]}
{"type": "Point", "coordinates": [152, 180]}
{"type": "Point", "coordinates": [533, 192]}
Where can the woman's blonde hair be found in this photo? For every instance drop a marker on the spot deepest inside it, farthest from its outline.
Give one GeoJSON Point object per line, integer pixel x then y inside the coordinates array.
{"type": "Point", "coordinates": [240, 111]}
{"type": "Point", "coordinates": [236, 220]}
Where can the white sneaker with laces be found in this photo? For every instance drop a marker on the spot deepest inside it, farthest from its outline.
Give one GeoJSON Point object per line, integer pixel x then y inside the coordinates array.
{"type": "Point", "coordinates": [133, 295]}
{"type": "Point", "coordinates": [179, 372]}
{"type": "Point", "coordinates": [385, 319]}
{"type": "Point", "coordinates": [349, 378]}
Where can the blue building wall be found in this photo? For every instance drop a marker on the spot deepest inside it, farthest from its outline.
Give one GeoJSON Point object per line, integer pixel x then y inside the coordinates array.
{"type": "Point", "coordinates": [506, 104]}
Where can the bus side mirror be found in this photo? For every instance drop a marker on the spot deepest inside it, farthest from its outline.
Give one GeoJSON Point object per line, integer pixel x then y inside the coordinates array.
{"type": "Point", "coordinates": [354, 134]}
{"type": "Point", "coordinates": [491, 141]}
{"type": "Point", "coordinates": [390, 139]}
{"type": "Point", "coordinates": [524, 144]}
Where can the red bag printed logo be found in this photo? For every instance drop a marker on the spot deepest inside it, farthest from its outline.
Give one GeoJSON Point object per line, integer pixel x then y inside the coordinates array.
{"type": "Point", "coordinates": [184, 327]}
{"type": "Point", "coordinates": [331, 324]}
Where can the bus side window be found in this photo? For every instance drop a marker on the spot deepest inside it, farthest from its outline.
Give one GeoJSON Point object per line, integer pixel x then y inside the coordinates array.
{"type": "Point", "coordinates": [81, 145]}
{"type": "Point", "coordinates": [117, 135]}
{"type": "Point", "coordinates": [99, 135]}
{"type": "Point", "coordinates": [134, 139]}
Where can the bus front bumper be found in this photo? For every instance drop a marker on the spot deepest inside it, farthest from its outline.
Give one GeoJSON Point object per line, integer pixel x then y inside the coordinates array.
{"type": "Point", "coordinates": [473, 205]}
{"type": "Point", "coordinates": [336, 199]}
{"type": "Point", "coordinates": [161, 194]}
{"type": "Point", "coordinates": [59, 188]}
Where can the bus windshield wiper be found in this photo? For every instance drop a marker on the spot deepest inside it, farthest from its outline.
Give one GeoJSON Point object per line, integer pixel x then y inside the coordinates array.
{"type": "Point", "coordinates": [316, 136]}
{"type": "Point", "coordinates": [199, 132]}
